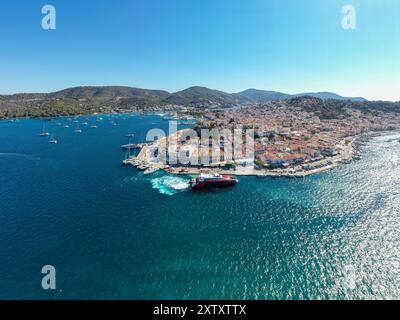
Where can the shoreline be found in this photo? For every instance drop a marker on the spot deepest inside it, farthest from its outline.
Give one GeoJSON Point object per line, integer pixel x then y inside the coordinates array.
{"type": "Point", "coordinates": [349, 152]}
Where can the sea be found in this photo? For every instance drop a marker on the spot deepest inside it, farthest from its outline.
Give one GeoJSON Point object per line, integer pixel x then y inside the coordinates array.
{"type": "Point", "coordinates": [111, 232]}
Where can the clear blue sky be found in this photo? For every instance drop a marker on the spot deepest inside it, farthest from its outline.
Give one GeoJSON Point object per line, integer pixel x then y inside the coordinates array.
{"type": "Point", "coordinates": [286, 45]}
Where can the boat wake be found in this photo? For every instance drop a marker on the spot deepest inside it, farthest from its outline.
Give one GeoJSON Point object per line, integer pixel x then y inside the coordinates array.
{"type": "Point", "coordinates": [18, 155]}
{"type": "Point", "coordinates": [170, 185]}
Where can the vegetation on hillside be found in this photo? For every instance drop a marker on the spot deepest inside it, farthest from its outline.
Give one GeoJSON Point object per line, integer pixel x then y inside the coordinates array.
{"type": "Point", "coordinates": [88, 100]}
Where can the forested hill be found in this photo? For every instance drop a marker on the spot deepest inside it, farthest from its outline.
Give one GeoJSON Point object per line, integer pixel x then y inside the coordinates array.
{"type": "Point", "coordinates": [87, 100]}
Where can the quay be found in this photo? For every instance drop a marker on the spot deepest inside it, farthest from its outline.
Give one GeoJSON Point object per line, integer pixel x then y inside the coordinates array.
{"type": "Point", "coordinates": [347, 153]}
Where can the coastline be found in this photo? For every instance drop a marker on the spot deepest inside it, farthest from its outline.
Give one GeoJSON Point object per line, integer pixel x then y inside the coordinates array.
{"type": "Point", "coordinates": [347, 153]}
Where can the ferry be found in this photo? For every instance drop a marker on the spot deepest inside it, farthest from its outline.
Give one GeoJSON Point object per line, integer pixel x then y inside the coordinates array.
{"type": "Point", "coordinates": [212, 181]}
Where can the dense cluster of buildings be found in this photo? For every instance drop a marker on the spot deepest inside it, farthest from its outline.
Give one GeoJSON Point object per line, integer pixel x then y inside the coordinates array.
{"type": "Point", "coordinates": [287, 135]}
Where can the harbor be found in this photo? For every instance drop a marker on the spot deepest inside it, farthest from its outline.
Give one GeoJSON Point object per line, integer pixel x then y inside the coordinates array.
{"type": "Point", "coordinates": [348, 153]}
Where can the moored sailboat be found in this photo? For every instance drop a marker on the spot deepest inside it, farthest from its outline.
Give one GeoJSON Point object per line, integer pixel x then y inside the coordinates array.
{"type": "Point", "coordinates": [44, 133]}
{"type": "Point", "coordinates": [77, 129]}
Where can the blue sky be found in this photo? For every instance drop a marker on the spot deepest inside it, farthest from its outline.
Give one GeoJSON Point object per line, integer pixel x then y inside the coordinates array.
{"type": "Point", "coordinates": [285, 45]}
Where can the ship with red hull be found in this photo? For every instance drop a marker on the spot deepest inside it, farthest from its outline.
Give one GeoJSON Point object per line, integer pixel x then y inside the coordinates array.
{"type": "Point", "coordinates": [212, 181]}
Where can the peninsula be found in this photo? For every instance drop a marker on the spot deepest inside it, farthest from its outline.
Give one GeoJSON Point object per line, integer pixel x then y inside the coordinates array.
{"type": "Point", "coordinates": [292, 138]}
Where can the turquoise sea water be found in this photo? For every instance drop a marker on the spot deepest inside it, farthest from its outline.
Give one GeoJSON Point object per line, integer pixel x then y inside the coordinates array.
{"type": "Point", "coordinates": [113, 233]}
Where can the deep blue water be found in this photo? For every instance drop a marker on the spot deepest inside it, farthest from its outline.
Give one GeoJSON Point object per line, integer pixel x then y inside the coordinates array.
{"type": "Point", "coordinates": [113, 233]}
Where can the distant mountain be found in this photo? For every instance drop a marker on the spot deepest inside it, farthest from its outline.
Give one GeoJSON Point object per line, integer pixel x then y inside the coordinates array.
{"type": "Point", "coordinates": [92, 99]}
{"type": "Point", "coordinates": [203, 96]}
{"type": "Point", "coordinates": [109, 93]}
{"type": "Point", "coordinates": [259, 96]}
{"type": "Point", "coordinates": [329, 95]}
{"type": "Point", "coordinates": [190, 96]}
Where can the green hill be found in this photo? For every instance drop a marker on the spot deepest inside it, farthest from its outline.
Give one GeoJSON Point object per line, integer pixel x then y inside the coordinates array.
{"type": "Point", "coordinates": [91, 99]}
{"type": "Point", "coordinates": [201, 96]}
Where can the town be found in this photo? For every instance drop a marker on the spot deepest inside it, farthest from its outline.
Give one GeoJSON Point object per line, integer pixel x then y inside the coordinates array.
{"type": "Point", "coordinates": [292, 138]}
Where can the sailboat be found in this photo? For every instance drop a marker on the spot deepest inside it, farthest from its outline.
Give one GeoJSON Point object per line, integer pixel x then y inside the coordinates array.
{"type": "Point", "coordinates": [53, 140]}
{"type": "Point", "coordinates": [129, 135]}
{"type": "Point", "coordinates": [77, 130]}
{"type": "Point", "coordinates": [44, 133]}
{"type": "Point", "coordinates": [128, 157]}
{"type": "Point", "coordinates": [129, 146]}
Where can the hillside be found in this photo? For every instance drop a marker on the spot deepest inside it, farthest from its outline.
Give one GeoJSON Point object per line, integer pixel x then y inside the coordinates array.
{"type": "Point", "coordinates": [329, 95]}
{"type": "Point", "coordinates": [109, 93]}
{"type": "Point", "coordinates": [201, 96]}
{"type": "Point", "coordinates": [90, 99]}
{"type": "Point", "coordinates": [260, 96]}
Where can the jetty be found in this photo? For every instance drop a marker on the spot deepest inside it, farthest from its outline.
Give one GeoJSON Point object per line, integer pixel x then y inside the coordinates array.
{"type": "Point", "coordinates": [133, 146]}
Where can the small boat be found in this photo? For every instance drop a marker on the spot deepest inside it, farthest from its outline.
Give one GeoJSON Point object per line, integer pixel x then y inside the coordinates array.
{"type": "Point", "coordinates": [150, 171]}
{"type": "Point", "coordinates": [77, 129]}
{"type": "Point", "coordinates": [127, 162]}
{"type": "Point", "coordinates": [129, 135]}
{"type": "Point", "coordinates": [129, 146]}
{"type": "Point", "coordinates": [44, 133]}
{"type": "Point", "coordinates": [275, 175]}
{"type": "Point", "coordinates": [53, 140]}
{"type": "Point", "coordinates": [85, 123]}
{"type": "Point", "coordinates": [94, 126]}
{"type": "Point", "coordinates": [212, 181]}
{"type": "Point", "coordinates": [66, 126]}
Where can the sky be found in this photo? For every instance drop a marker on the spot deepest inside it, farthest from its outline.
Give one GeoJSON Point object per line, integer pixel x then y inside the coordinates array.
{"type": "Point", "coordinates": [290, 46]}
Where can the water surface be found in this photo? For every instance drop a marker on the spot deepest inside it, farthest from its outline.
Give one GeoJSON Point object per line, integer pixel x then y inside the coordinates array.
{"type": "Point", "coordinates": [113, 233]}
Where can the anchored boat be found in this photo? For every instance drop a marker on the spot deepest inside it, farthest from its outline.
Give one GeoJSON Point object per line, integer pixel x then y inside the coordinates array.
{"type": "Point", "coordinates": [77, 129]}
{"type": "Point", "coordinates": [53, 140]}
{"type": "Point", "coordinates": [44, 133]}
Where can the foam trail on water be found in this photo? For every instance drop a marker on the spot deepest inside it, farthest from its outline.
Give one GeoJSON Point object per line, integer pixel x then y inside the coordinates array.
{"type": "Point", "coordinates": [170, 185]}
{"type": "Point", "coordinates": [19, 155]}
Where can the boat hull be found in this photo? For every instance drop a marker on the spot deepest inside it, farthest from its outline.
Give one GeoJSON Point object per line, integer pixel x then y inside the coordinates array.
{"type": "Point", "coordinates": [207, 185]}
